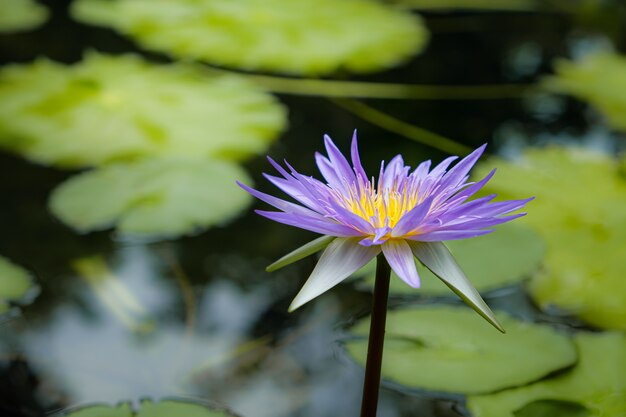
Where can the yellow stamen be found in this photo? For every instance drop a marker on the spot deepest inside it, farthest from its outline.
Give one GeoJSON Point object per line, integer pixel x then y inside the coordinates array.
{"type": "Point", "coordinates": [380, 208]}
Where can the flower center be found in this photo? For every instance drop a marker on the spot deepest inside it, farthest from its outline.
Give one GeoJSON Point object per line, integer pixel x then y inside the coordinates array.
{"type": "Point", "coordinates": [380, 207]}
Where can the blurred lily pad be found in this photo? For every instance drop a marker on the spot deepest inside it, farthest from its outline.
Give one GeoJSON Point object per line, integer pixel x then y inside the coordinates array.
{"type": "Point", "coordinates": [155, 197]}
{"type": "Point", "coordinates": [453, 350]}
{"type": "Point", "coordinates": [298, 36]}
{"type": "Point", "coordinates": [15, 284]}
{"type": "Point", "coordinates": [597, 383]}
{"type": "Point", "coordinates": [599, 79]}
{"type": "Point", "coordinates": [165, 408]}
{"type": "Point", "coordinates": [109, 108]}
{"type": "Point", "coordinates": [579, 211]}
{"type": "Point", "coordinates": [19, 15]}
{"type": "Point", "coordinates": [506, 256]}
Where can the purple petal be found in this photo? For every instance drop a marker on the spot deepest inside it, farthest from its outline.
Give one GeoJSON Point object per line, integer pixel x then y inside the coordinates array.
{"type": "Point", "coordinates": [501, 207]}
{"type": "Point", "coordinates": [460, 170]}
{"type": "Point", "coordinates": [472, 189]}
{"type": "Point", "coordinates": [400, 258]}
{"type": "Point", "coordinates": [283, 205]}
{"type": "Point", "coordinates": [411, 220]}
{"type": "Point", "coordinates": [348, 217]}
{"type": "Point", "coordinates": [339, 260]}
{"type": "Point", "coordinates": [421, 171]}
{"type": "Point", "coordinates": [338, 161]}
{"type": "Point", "coordinates": [296, 190]}
{"type": "Point", "coordinates": [441, 235]}
{"type": "Point", "coordinates": [394, 168]}
{"type": "Point", "coordinates": [318, 225]}
{"type": "Point", "coordinates": [329, 174]}
{"type": "Point", "coordinates": [480, 223]}
{"type": "Point", "coordinates": [356, 159]}
{"type": "Point", "coordinates": [278, 168]}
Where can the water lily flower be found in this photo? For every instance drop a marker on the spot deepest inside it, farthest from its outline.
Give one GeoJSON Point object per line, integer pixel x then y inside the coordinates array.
{"type": "Point", "coordinates": [405, 214]}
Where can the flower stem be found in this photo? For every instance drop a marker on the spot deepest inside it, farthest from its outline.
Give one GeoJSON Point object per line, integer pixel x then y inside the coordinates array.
{"type": "Point", "coordinates": [376, 339]}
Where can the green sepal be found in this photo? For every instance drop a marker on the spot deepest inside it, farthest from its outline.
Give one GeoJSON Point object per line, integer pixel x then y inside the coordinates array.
{"type": "Point", "coordinates": [438, 259]}
{"type": "Point", "coordinates": [302, 252]}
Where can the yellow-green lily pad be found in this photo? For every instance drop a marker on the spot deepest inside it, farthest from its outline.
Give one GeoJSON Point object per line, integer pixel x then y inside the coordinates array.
{"type": "Point", "coordinates": [165, 408]}
{"type": "Point", "coordinates": [155, 197]}
{"type": "Point", "coordinates": [452, 349]}
{"type": "Point", "coordinates": [506, 256]}
{"type": "Point", "coordinates": [297, 36]}
{"type": "Point", "coordinates": [597, 382]}
{"type": "Point", "coordinates": [20, 15]}
{"type": "Point", "coordinates": [579, 211]}
{"type": "Point", "coordinates": [597, 78]}
{"type": "Point", "coordinates": [107, 108]}
{"type": "Point", "coordinates": [15, 284]}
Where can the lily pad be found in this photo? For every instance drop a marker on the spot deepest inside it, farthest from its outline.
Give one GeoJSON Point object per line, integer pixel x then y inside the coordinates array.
{"type": "Point", "coordinates": [597, 382]}
{"type": "Point", "coordinates": [599, 79]}
{"type": "Point", "coordinates": [579, 211]}
{"type": "Point", "coordinates": [165, 408]}
{"type": "Point", "coordinates": [453, 350]}
{"type": "Point", "coordinates": [15, 284]}
{"type": "Point", "coordinates": [20, 15]}
{"type": "Point", "coordinates": [297, 36]}
{"type": "Point", "coordinates": [155, 197]}
{"type": "Point", "coordinates": [109, 108]}
{"type": "Point", "coordinates": [506, 256]}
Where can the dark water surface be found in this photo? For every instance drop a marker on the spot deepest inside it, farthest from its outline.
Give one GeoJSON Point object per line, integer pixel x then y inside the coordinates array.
{"type": "Point", "coordinates": [198, 317]}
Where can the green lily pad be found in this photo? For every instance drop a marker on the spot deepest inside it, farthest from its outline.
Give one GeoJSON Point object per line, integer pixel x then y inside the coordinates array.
{"type": "Point", "coordinates": [506, 256]}
{"type": "Point", "coordinates": [155, 197]}
{"type": "Point", "coordinates": [599, 79]}
{"type": "Point", "coordinates": [579, 211]}
{"type": "Point", "coordinates": [597, 382]}
{"type": "Point", "coordinates": [15, 284]}
{"type": "Point", "coordinates": [298, 36]}
{"type": "Point", "coordinates": [165, 408]}
{"type": "Point", "coordinates": [109, 108]}
{"type": "Point", "coordinates": [20, 15]}
{"type": "Point", "coordinates": [453, 350]}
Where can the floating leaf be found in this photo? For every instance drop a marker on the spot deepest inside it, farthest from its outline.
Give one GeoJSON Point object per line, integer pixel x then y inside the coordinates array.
{"type": "Point", "coordinates": [298, 36]}
{"type": "Point", "coordinates": [598, 78]}
{"type": "Point", "coordinates": [165, 408]}
{"type": "Point", "coordinates": [110, 108]}
{"type": "Point", "coordinates": [597, 382]}
{"type": "Point", "coordinates": [579, 211]}
{"type": "Point", "coordinates": [452, 349]}
{"type": "Point", "coordinates": [155, 197]}
{"type": "Point", "coordinates": [15, 284]}
{"type": "Point", "coordinates": [506, 256]}
{"type": "Point", "coordinates": [19, 15]}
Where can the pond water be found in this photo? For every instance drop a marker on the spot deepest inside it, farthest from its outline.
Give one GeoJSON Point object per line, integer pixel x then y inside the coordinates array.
{"type": "Point", "coordinates": [122, 318]}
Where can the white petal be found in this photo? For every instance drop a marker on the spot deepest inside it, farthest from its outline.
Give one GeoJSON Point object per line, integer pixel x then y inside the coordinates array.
{"type": "Point", "coordinates": [302, 252]}
{"type": "Point", "coordinates": [340, 259]}
{"type": "Point", "coordinates": [400, 258]}
{"type": "Point", "coordinates": [437, 258]}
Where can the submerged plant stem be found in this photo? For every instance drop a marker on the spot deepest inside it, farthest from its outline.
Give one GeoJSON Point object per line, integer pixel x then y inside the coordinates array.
{"type": "Point", "coordinates": [374, 361]}
{"type": "Point", "coordinates": [402, 128]}
{"type": "Point", "coordinates": [367, 89]}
